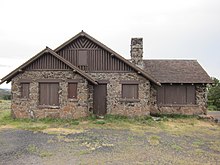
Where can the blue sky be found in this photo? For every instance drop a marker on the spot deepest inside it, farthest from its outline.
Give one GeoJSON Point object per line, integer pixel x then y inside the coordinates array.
{"type": "Point", "coordinates": [172, 29]}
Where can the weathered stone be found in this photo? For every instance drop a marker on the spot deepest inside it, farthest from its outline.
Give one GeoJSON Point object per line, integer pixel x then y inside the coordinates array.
{"type": "Point", "coordinates": [29, 108]}
{"type": "Point", "coordinates": [137, 51]}
{"type": "Point", "coordinates": [83, 105]}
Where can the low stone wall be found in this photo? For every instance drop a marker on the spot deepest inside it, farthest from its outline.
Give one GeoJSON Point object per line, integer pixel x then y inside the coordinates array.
{"type": "Point", "coordinates": [68, 108]}
{"type": "Point", "coordinates": [199, 108]}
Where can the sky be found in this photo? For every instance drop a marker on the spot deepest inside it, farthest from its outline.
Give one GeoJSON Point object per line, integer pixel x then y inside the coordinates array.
{"type": "Point", "coordinates": [171, 29]}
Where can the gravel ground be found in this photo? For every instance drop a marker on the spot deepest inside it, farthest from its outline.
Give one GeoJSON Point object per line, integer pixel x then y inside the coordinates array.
{"type": "Point", "coordinates": [108, 146]}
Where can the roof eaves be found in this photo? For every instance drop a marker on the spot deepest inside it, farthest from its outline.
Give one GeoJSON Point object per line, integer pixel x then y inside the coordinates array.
{"type": "Point", "coordinates": [19, 69]}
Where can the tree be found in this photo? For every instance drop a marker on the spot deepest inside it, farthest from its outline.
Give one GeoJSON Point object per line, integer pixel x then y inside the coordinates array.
{"type": "Point", "coordinates": [214, 94]}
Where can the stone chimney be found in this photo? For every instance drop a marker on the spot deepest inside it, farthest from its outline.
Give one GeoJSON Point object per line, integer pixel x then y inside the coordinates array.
{"type": "Point", "coordinates": [137, 51]}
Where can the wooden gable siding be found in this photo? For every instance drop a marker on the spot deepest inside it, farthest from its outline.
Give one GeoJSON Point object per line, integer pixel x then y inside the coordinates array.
{"type": "Point", "coordinates": [47, 62]}
{"type": "Point", "coordinates": [98, 59]}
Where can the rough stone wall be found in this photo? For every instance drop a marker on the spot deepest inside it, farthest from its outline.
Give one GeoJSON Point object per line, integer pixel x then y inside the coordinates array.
{"type": "Point", "coordinates": [69, 108]}
{"type": "Point", "coordinates": [83, 105]}
{"type": "Point", "coordinates": [199, 108]}
{"type": "Point", "coordinates": [119, 106]}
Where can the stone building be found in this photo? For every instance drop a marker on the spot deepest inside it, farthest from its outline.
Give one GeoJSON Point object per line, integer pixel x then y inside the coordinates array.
{"type": "Point", "coordinates": [83, 76]}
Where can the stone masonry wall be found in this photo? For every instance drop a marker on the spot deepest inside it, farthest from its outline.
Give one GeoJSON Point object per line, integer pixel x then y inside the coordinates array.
{"type": "Point", "coordinates": [115, 103]}
{"type": "Point", "coordinates": [69, 108]}
{"type": "Point", "coordinates": [83, 105]}
{"type": "Point", "coordinates": [199, 108]}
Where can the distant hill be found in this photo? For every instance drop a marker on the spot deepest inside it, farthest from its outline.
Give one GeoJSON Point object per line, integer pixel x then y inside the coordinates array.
{"type": "Point", "coordinates": [4, 92]}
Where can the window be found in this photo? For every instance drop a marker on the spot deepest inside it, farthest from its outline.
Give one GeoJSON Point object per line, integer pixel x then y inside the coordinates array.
{"type": "Point", "coordinates": [176, 94]}
{"type": "Point", "coordinates": [25, 90]}
{"type": "Point", "coordinates": [130, 91]}
{"type": "Point", "coordinates": [82, 58]}
{"type": "Point", "coordinates": [49, 94]}
{"type": "Point", "coordinates": [72, 90]}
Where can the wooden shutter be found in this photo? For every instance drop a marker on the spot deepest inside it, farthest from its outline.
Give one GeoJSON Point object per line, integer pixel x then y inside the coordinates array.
{"type": "Point", "coordinates": [160, 95]}
{"type": "Point", "coordinates": [54, 95]}
{"type": "Point", "coordinates": [180, 94]}
{"type": "Point", "coordinates": [130, 91]}
{"type": "Point", "coordinates": [168, 94]}
{"type": "Point", "coordinates": [44, 93]}
{"type": "Point", "coordinates": [72, 90]}
{"type": "Point", "coordinates": [25, 90]}
{"type": "Point", "coordinates": [82, 58]}
{"type": "Point", "coordinates": [191, 94]}
{"type": "Point", "coordinates": [177, 94]}
{"type": "Point", "coordinates": [49, 94]}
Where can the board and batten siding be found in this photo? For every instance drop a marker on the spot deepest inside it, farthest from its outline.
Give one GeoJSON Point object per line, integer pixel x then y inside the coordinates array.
{"type": "Point", "coordinates": [95, 58]}
{"type": "Point", "coordinates": [47, 62]}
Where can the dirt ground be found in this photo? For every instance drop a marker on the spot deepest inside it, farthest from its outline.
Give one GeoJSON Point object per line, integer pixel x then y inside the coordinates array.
{"type": "Point", "coordinates": [109, 146]}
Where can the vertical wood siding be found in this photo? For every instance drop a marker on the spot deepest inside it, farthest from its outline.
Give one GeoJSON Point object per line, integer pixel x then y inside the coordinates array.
{"type": "Point", "coordinates": [48, 62]}
{"type": "Point", "coordinates": [97, 58]}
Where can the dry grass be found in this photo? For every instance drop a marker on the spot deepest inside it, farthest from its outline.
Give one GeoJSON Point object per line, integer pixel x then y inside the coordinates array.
{"type": "Point", "coordinates": [5, 105]}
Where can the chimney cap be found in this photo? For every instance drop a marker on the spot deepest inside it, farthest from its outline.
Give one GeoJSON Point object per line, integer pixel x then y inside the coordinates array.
{"type": "Point", "coordinates": [135, 41]}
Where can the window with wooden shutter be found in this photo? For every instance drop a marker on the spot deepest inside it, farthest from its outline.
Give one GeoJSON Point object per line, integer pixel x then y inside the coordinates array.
{"type": "Point", "coordinates": [82, 58]}
{"type": "Point", "coordinates": [130, 91]}
{"type": "Point", "coordinates": [176, 94]}
{"type": "Point", "coordinates": [49, 94]}
{"type": "Point", "coordinates": [25, 90]}
{"type": "Point", "coordinates": [72, 90]}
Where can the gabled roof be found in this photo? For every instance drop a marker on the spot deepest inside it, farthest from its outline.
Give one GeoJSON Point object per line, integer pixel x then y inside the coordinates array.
{"type": "Point", "coordinates": [47, 50]}
{"type": "Point", "coordinates": [137, 69]}
{"type": "Point", "coordinates": [177, 71]}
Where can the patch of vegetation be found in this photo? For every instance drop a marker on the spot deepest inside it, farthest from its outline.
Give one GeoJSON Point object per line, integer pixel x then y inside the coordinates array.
{"type": "Point", "coordinates": [32, 148]}
{"type": "Point", "coordinates": [214, 95]}
{"type": "Point", "coordinates": [5, 94]}
{"type": "Point", "coordinates": [154, 140]}
{"type": "Point", "coordinates": [175, 116]}
{"type": "Point", "coordinates": [5, 105]}
{"type": "Point", "coordinates": [197, 143]}
{"type": "Point", "coordinates": [35, 150]}
{"type": "Point", "coordinates": [176, 147]}
{"type": "Point", "coordinates": [215, 146]}
{"type": "Point", "coordinates": [99, 122]}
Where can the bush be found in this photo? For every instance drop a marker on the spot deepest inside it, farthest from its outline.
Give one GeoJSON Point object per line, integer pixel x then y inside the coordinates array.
{"type": "Point", "coordinates": [7, 97]}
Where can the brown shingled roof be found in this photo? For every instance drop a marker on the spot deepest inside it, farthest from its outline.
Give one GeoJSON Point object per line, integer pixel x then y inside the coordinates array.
{"type": "Point", "coordinates": [177, 71]}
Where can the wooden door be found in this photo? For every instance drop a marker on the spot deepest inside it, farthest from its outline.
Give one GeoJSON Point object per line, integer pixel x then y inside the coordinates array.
{"type": "Point", "coordinates": [99, 99]}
